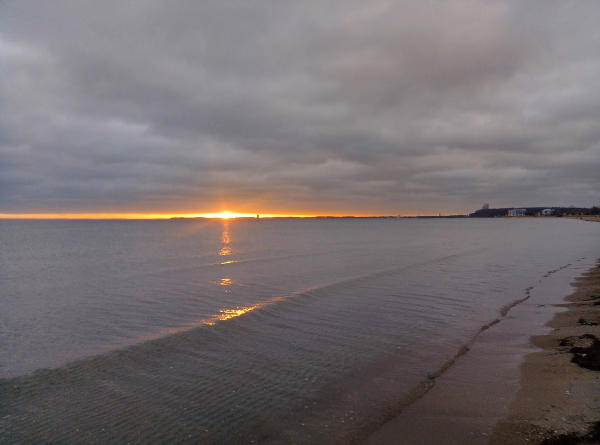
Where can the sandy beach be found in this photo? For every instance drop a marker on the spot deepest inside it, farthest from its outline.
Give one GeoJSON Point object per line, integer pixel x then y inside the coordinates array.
{"type": "Point", "coordinates": [559, 398]}
{"type": "Point", "coordinates": [554, 397]}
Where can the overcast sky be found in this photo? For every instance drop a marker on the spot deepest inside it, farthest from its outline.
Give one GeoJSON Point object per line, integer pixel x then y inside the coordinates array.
{"type": "Point", "coordinates": [357, 107]}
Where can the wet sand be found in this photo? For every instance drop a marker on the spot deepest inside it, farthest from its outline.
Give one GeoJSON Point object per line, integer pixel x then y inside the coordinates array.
{"type": "Point", "coordinates": [505, 390]}
{"type": "Point", "coordinates": [559, 398]}
{"type": "Point", "coordinates": [592, 218]}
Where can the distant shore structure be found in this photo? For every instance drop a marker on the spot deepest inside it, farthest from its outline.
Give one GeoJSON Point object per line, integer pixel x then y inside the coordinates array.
{"type": "Point", "coordinates": [517, 212]}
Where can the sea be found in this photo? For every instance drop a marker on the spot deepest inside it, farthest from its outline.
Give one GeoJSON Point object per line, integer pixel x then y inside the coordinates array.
{"type": "Point", "coordinates": [277, 331]}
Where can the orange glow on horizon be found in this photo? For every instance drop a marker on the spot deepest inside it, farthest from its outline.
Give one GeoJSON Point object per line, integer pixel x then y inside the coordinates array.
{"type": "Point", "coordinates": [225, 214]}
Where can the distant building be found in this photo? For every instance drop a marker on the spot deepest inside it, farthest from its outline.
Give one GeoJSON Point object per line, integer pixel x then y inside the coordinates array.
{"type": "Point", "coordinates": [517, 212]}
{"type": "Point", "coordinates": [547, 212]}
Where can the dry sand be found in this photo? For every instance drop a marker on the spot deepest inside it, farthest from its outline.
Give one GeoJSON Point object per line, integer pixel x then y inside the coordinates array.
{"type": "Point", "coordinates": [559, 398]}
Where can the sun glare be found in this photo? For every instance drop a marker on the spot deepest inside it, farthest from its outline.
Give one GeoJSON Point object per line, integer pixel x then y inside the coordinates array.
{"type": "Point", "coordinates": [226, 214]}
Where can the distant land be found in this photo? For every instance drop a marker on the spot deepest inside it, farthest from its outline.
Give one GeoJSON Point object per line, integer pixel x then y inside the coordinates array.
{"type": "Point", "coordinates": [484, 212]}
{"type": "Point", "coordinates": [556, 211]}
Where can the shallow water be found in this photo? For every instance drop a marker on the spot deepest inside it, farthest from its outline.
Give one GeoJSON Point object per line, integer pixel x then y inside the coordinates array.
{"type": "Point", "coordinates": [276, 331]}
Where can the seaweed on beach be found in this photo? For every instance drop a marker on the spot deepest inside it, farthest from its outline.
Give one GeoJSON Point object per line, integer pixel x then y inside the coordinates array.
{"type": "Point", "coordinates": [578, 341]}
{"type": "Point", "coordinates": [588, 357]}
{"type": "Point", "coordinates": [584, 322]}
{"type": "Point", "coordinates": [585, 349]}
{"type": "Point", "coordinates": [592, 436]}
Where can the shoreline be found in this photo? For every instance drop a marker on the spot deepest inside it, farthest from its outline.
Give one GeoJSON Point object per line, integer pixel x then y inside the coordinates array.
{"type": "Point", "coordinates": [559, 397]}
{"type": "Point", "coordinates": [589, 218]}
{"type": "Point", "coordinates": [517, 384]}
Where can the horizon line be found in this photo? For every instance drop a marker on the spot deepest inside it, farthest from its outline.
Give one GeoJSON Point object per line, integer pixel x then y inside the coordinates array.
{"type": "Point", "coordinates": [167, 216]}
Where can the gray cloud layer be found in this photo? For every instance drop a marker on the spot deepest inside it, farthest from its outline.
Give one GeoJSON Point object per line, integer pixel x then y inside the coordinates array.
{"type": "Point", "coordinates": [375, 107]}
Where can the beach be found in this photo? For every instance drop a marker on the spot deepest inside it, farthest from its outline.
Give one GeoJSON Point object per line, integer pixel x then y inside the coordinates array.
{"type": "Point", "coordinates": [492, 396]}
{"type": "Point", "coordinates": [559, 399]}
{"type": "Point", "coordinates": [300, 223]}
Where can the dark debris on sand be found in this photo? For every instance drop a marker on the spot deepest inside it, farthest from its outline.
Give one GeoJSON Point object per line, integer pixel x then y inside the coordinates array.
{"type": "Point", "coordinates": [585, 349]}
{"type": "Point", "coordinates": [591, 437]}
{"type": "Point", "coordinates": [584, 322]}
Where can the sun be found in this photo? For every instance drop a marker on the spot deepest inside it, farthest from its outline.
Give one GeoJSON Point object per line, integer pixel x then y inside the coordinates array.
{"type": "Point", "coordinates": [226, 214]}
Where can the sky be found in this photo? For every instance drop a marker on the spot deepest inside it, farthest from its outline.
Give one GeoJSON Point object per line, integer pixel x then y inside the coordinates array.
{"type": "Point", "coordinates": [312, 107]}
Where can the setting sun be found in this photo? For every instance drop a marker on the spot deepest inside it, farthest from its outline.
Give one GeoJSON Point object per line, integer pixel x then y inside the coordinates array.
{"type": "Point", "coordinates": [226, 214]}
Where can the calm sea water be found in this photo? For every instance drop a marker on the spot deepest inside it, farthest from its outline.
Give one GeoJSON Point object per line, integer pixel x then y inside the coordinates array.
{"type": "Point", "coordinates": [272, 331]}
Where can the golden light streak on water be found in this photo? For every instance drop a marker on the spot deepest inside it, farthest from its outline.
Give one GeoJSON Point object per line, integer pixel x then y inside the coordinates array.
{"type": "Point", "coordinates": [226, 314]}
{"type": "Point", "coordinates": [225, 239]}
{"type": "Point", "coordinates": [225, 251]}
{"type": "Point", "coordinates": [223, 315]}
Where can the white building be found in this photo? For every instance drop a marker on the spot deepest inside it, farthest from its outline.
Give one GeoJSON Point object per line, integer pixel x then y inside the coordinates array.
{"type": "Point", "coordinates": [517, 212]}
{"type": "Point", "coordinates": [547, 212]}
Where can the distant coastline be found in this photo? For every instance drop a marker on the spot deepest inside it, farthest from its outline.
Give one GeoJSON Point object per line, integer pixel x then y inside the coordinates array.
{"type": "Point", "coordinates": [588, 213]}
{"type": "Point", "coordinates": [486, 212]}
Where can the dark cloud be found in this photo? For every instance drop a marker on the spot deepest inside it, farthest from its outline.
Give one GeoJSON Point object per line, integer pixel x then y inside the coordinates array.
{"type": "Point", "coordinates": [358, 107]}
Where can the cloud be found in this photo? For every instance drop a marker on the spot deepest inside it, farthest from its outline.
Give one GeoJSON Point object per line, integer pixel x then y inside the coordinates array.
{"type": "Point", "coordinates": [342, 107]}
